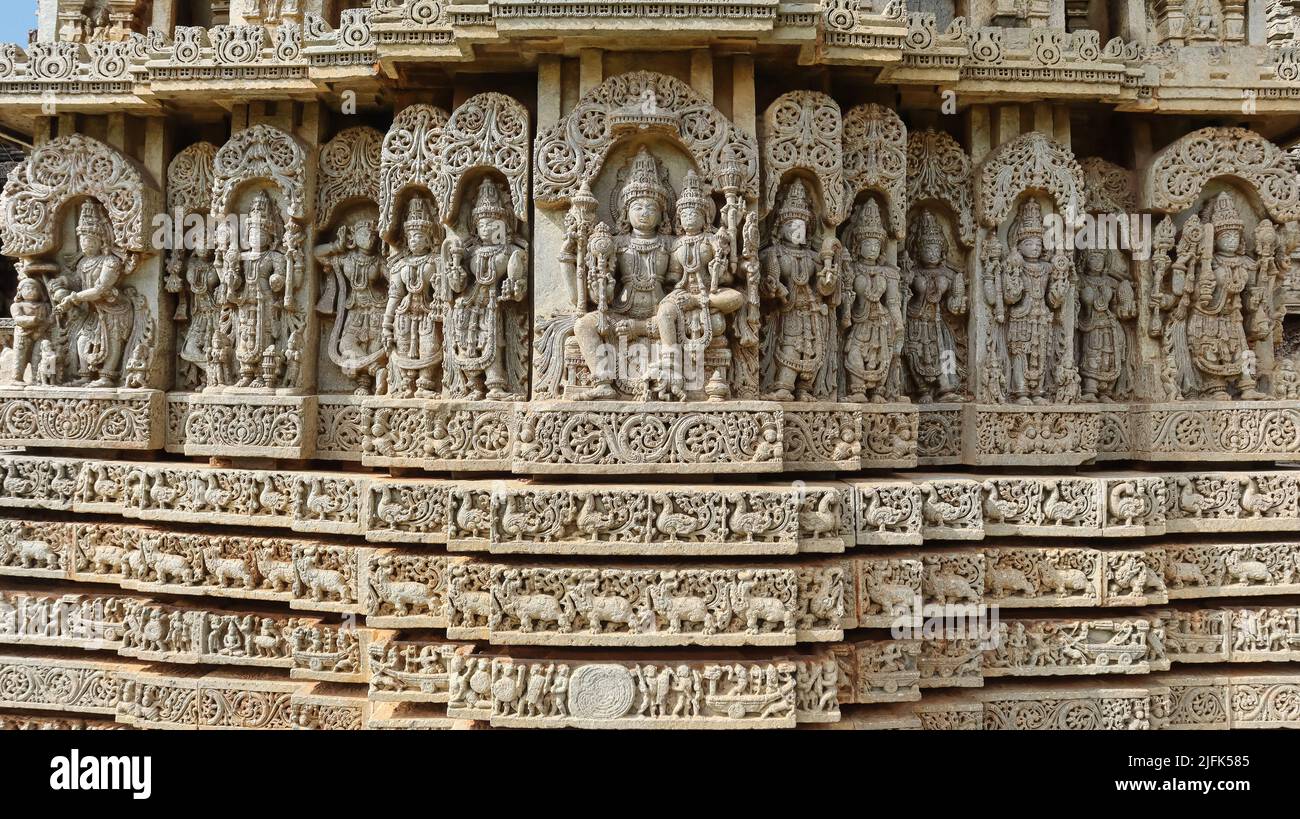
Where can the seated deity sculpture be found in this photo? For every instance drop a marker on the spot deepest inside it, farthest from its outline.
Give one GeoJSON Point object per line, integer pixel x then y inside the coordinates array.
{"type": "Point", "coordinates": [936, 306]}
{"type": "Point", "coordinates": [802, 285]}
{"type": "Point", "coordinates": [652, 286]}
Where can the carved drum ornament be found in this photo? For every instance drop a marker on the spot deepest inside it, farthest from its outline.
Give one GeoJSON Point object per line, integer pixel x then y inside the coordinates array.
{"type": "Point", "coordinates": [360, 372]}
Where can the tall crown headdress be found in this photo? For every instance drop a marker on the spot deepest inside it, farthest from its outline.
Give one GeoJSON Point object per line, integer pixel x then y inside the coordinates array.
{"type": "Point", "coordinates": [692, 195]}
{"type": "Point", "coordinates": [417, 215]}
{"type": "Point", "coordinates": [796, 204]}
{"type": "Point", "coordinates": [488, 204]}
{"type": "Point", "coordinates": [643, 182]}
{"type": "Point", "coordinates": [867, 222]}
{"type": "Point", "coordinates": [1029, 222]}
{"type": "Point", "coordinates": [89, 221]}
{"type": "Point", "coordinates": [1225, 215]}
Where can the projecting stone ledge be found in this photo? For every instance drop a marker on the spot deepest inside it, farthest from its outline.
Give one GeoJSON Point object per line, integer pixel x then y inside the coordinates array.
{"type": "Point", "coordinates": [81, 417]}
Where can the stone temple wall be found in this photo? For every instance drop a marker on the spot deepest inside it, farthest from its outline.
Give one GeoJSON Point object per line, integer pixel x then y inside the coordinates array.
{"type": "Point", "coordinates": [412, 364]}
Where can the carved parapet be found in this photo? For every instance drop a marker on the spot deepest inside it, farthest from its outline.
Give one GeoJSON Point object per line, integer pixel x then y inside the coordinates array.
{"type": "Point", "coordinates": [662, 520]}
{"type": "Point", "coordinates": [1235, 699]}
{"type": "Point", "coordinates": [857, 32]}
{"type": "Point", "coordinates": [660, 18]}
{"type": "Point", "coordinates": [414, 669]}
{"type": "Point", "coordinates": [329, 707]}
{"type": "Point", "coordinates": [251, 426]}
{"type": "Point", "coordinates": [25, 722]}
{"type": "Point", "coordinates": [43, 617]}
{"type": "Point", "coordinates": [1232, 569]}
{"type": "Point", "coordinates": [444, 434]}
{"type": "Point", "coordinates": [81, 418]}
{"type": "Point", "coordinates": [1055, 435]}
{"type": "Point", "coordinates": [1236, 635]}
{"type": "Point", "coordinates": [563, 437]}
{"type": "Point", "coordinates": [59, 683]}
{"type": "Point", "coordinates": [240, 59]}
{"type": "Point", "coordinates": [1220, 431]}
{"type": "Point", "coordinates": [163, 697]}
{"type": "Point", "coordinates": [666, 692]}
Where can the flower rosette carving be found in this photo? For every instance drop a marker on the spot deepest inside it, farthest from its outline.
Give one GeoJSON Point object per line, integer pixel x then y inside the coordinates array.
{"type": "Point", "coordinates": [875, 157]}
{"type": "Point", "coordinates": [938, 435]}
{"type": "Point", "coordinates": [1196, 705]}
{"type": "Point", "coordinates": [410, 158]}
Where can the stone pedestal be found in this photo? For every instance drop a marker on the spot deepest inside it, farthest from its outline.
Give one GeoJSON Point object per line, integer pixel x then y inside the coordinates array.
{"type": "Point", "coordinates": [251, 425]}
{"type": "Point", "coordinates": [82, 418]}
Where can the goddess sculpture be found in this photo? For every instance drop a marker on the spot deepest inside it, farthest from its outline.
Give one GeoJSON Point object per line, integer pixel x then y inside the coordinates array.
{"type": "Point", "coordinates": [253, 282]}
{"type": "Point", "coordinates": [1106, 302]}
{"type": "Point", "coordinates": [413, 315]}
{"type": "Point", "coordinates": [354, 295]}
{"type": "Point", "coordinates": [936, 305]}
{"type": "Point", "coordinates": [196, 308]}
{"type": "Point", "coordinates": [497, 274]}
{"type": "Point", "coordinates": [96, 316]}
{"type": "Point", "coordinates": [1026, 293]}
{"type": "Point", "coordinates": [872, 310]}
{"type": "Point", "coordinates": [804, 285]}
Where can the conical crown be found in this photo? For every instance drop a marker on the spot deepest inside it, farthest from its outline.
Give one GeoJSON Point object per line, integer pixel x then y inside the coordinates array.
{"type": "Point", "coordinates": [868, 224]}
{"type": "Point", "coordinates": [692, 195]}
{"type": "Point", "coordinates": [417, 215]}
{"type": "Point", "coordinates": [1225, 215]}
{"type": "Point", "coordinates": [488, 204]}
{"type": "Point", "coordinates": [89, 221]}
{"type": "Point", "coordinates": [643, 182]}
{"type": "Point", "coordinates": [796, 204]}
{"type": "Point", "coordinates": [1029, 220]}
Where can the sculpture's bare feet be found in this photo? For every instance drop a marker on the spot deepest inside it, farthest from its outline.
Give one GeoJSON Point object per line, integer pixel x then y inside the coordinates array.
{"type": "Point", "coordinates": [601, 392]}
{"type": "Point", "coordinates": [780, 395]}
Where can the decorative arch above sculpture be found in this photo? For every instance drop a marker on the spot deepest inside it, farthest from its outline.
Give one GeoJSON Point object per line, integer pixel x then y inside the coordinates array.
{"type": "Point", "coordinates": [487, 131]}
{"type": "Point", "coordinates": [875, 158]}
{"type": "Point", "coordinates": [410, 158]}
{"type": "Point", "coordinates": [190, 175]}
{"type": "Point", "coordinates": [1029, 162]}
{"type": "Point", "coordinates": [64, 170]}
{"type": "Point", "coordinates": [803, 130]}
{"type": "Point", "coordinates": [1180, 171]}
{"type": "Point", "coordinates": [575, 148]}
{"type": "Point", "coordinates": [261, 152]}
{"type": "Point", "coordinates": [1108, 188]}
{"type": "Point", "coordinates": [349, 171]}
{"type": "Point", "coordinates": [938, 169]}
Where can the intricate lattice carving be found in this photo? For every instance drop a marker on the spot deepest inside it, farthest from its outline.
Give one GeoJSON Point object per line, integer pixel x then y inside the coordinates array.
{"type": "Point", "coordinates": [803, 131]}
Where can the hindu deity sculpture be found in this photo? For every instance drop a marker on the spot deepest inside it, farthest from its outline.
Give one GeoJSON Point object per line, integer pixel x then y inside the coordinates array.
{"type": "Point", "coordinates": [934, 340]}
{"type": "Point", "coordinates": [627, 272]}
{"type": "Point", "coordinates": [253, 283]}
{"type": "Point", "coordinates": [1216, 330]}
{"type": "Point", "coordinates": [1026, 292]}
{"type": "Point", "coordinates": [354, 294]}
{"type": "Point", "coordinates": [1106, 302]}
{"type": "Point", "coordinates": [802, 285]}
{"type": "Point", "coordinates": [195, 279]}
{"type": "Point", "coordinates": [486, 273]}
{"type": "Point", "coordinates": [95, 314]}
{"type": "Point", "coordinates": [871, 311]}
{"type": "Point", "coordinates": [416, 306]}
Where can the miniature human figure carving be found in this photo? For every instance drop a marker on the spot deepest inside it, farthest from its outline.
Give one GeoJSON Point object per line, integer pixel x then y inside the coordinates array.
{"type": "Point", "coordinates": [799, 352]}
{"type": "Point", "coordinates": [253, 282]}
{"type": "Point", "coordinates": [872, 310]}
{"type": "Point", "coordinates": [1106, 301]}
{"type": "Point", "coordinates": [497, 272]}
{"type": "Point", "coordinates": [31, 315]}
{"type": "Point", "coordinates": [96, 316]}
{"type": "Point", "coordinates": [626, 275]}
{"type": "Point", "coordinates": [354, 295]}
{"type": "Point", "coordinates": [1028, 300]}
{"type": "Point", "coordinates": [1216, 333]}
{"type": "Point", "coordinates": [414, 312]}
{"type": "Point", "coordinates": [935, 334]}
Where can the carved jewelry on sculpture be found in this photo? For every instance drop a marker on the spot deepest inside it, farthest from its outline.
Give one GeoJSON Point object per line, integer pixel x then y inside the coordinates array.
{"type": "Point", "coordinates": [934, 347]}
{"type": "Point", "coordinates": [1107, 298]}
{"type": "Point", "coordinates": [871, 313]}
{"type": "Point", "coordinates": [416, 305]}
{"type": "Point", "coordinates": [353, 280]}
{"type": "Point", "coordinates": [191, 271]}
{"type": "Point", "coordinates": [800, 280]}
